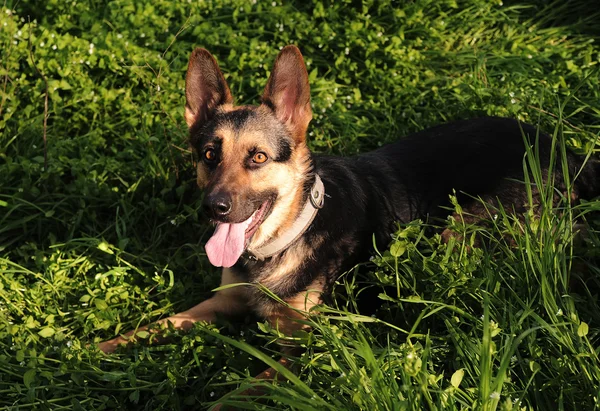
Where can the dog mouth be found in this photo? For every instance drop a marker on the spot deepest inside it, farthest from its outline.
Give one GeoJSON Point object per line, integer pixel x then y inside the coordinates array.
{"type": "Point", "coordinates": [257, 218]}
{"type": "Point", "coordinates": [230, 240]}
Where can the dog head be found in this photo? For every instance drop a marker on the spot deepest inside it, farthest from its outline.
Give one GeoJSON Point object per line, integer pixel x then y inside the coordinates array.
{"type": "Point", "coordinates": [253, 162]}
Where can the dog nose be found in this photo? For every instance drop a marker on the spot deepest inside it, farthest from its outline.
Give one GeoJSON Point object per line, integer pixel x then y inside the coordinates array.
{"type": "Point", "coordinates": [217, 205]}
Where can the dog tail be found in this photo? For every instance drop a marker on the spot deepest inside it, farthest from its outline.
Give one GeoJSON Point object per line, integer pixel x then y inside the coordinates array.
{"type": "Point", "coordinates": [589, 184]}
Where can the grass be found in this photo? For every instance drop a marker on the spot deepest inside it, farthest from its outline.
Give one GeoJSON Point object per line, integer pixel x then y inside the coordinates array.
{"type": "Point", "coordinates": [108, 235]}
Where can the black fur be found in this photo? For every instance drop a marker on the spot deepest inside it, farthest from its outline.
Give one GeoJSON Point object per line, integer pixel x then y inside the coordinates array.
{"type": "Point", "coordinates": [410, 179]}
{"type": "Point", "coordinates": [284, 151]}
{"type": "Point", "coordinates": [238, 117]}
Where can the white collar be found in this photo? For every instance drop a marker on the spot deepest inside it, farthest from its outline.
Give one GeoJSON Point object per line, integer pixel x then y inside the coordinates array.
{"type": "Point", "coordinates": [305, 218]}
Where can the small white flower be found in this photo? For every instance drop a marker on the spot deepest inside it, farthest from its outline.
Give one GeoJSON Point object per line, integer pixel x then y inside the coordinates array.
{"type": "Point", "coordinates": [273, 4]}
{"type": "Point", "coordinates": [157, 88]}
{"type": "Point", "coordinates": [513, 101]}
{"type": "Point", "coordinates": [22, 363]}
{"type": "Point", "coordinates": [495, 395]}
{"type": "Point", "coordinates": [91, 45]}
{"type": "Point", "coordinates": [119, 36]}
{"type": "Point", "coordinates": [19, 33]}
{"type": "Point", "coordinates": [559, 312]}
{"type": "Point", "coordinates": [143, 35]}
{"type": "Point", "coordinates": [379, 34]}
{"type": "Point", "coordinates": [529, 56]}
{"type": "Point", "coordinates": [52, 35]}
{"type": "Point", "coordinates": [87, 62]}
{"type": "Point", "coordinates": [42, 44]}
{"type": "Point", "coordinates": [7, 11]}
{"type": "Point", "coordinates": [212, 393]}
{"type": "Point", "coordinates": [173, 222]}
{"type": "Point", "coordinates": [242, 333]}
{"type": "Point", "coordinates": [34, 146]}
{"type": "Point", "coordinates": [347, 50]}
{"type": "Point", "coordinates": [54, 47]}
{"type": "Point", "coordinates": [69, 343]}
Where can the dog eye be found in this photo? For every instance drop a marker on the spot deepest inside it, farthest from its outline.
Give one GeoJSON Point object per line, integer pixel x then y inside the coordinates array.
{"type": "Point", "coordinates": [210, 155]}
{"type": "Point", "coordinates": [259, 157]}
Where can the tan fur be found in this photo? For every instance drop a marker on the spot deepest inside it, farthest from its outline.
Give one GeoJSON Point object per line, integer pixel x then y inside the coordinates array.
{"type": "Point", "coordinates": [294, 257]}
{"type": "Point", "coordinates": [201, 175]}
{"type": "Point", "coordinates": [285, 318]}
{"type": "Point", "coordinates": [288, 179]}
{"type": "Point", "coordinates": [190, 117]}
{"type": "Point", "coordinates": [284, 211]}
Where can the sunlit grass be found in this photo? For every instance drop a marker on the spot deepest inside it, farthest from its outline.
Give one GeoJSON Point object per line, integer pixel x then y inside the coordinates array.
{"type": "Point", "coordinates": [110, 235]}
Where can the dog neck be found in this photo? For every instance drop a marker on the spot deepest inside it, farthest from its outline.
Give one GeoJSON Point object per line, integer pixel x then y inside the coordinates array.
{"type": "Point", "coordinates": [313, 203]}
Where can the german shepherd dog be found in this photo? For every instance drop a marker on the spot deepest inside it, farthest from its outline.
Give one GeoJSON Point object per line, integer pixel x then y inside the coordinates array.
{"type": "Point", "coordinates": [293, 221]}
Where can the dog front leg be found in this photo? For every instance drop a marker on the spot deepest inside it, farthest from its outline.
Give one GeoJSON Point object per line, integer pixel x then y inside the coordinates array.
{"type": "Point", "coordinates": [228, 302]}
{"type": "Point", "coordinates": [285, 319]}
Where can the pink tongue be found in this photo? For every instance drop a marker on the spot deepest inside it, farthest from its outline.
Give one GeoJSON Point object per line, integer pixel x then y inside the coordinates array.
{"type": "Point", "coordinates": [227, 243]}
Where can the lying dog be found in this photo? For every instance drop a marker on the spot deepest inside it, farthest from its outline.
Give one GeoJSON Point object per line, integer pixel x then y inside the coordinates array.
{"type": "Point", "coordinates": [293, 221]}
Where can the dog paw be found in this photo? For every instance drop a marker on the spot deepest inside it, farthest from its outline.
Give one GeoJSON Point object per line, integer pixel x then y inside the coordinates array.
{"type": "Point", "coordinates": [110, 346]}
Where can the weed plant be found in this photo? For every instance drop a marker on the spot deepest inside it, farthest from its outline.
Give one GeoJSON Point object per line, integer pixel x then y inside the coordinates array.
{"type": "Point", "coordinates": [108, 234]}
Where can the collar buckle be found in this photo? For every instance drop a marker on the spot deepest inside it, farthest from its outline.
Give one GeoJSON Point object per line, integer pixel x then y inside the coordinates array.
{"type": "Point", "coordinates": [317, 196]}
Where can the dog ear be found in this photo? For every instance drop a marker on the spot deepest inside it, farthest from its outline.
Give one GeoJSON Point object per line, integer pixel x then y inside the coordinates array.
{"type": "Point", "coordinates": [205, 87]}
{"type": "Point", "coordinates": [288, 93]}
